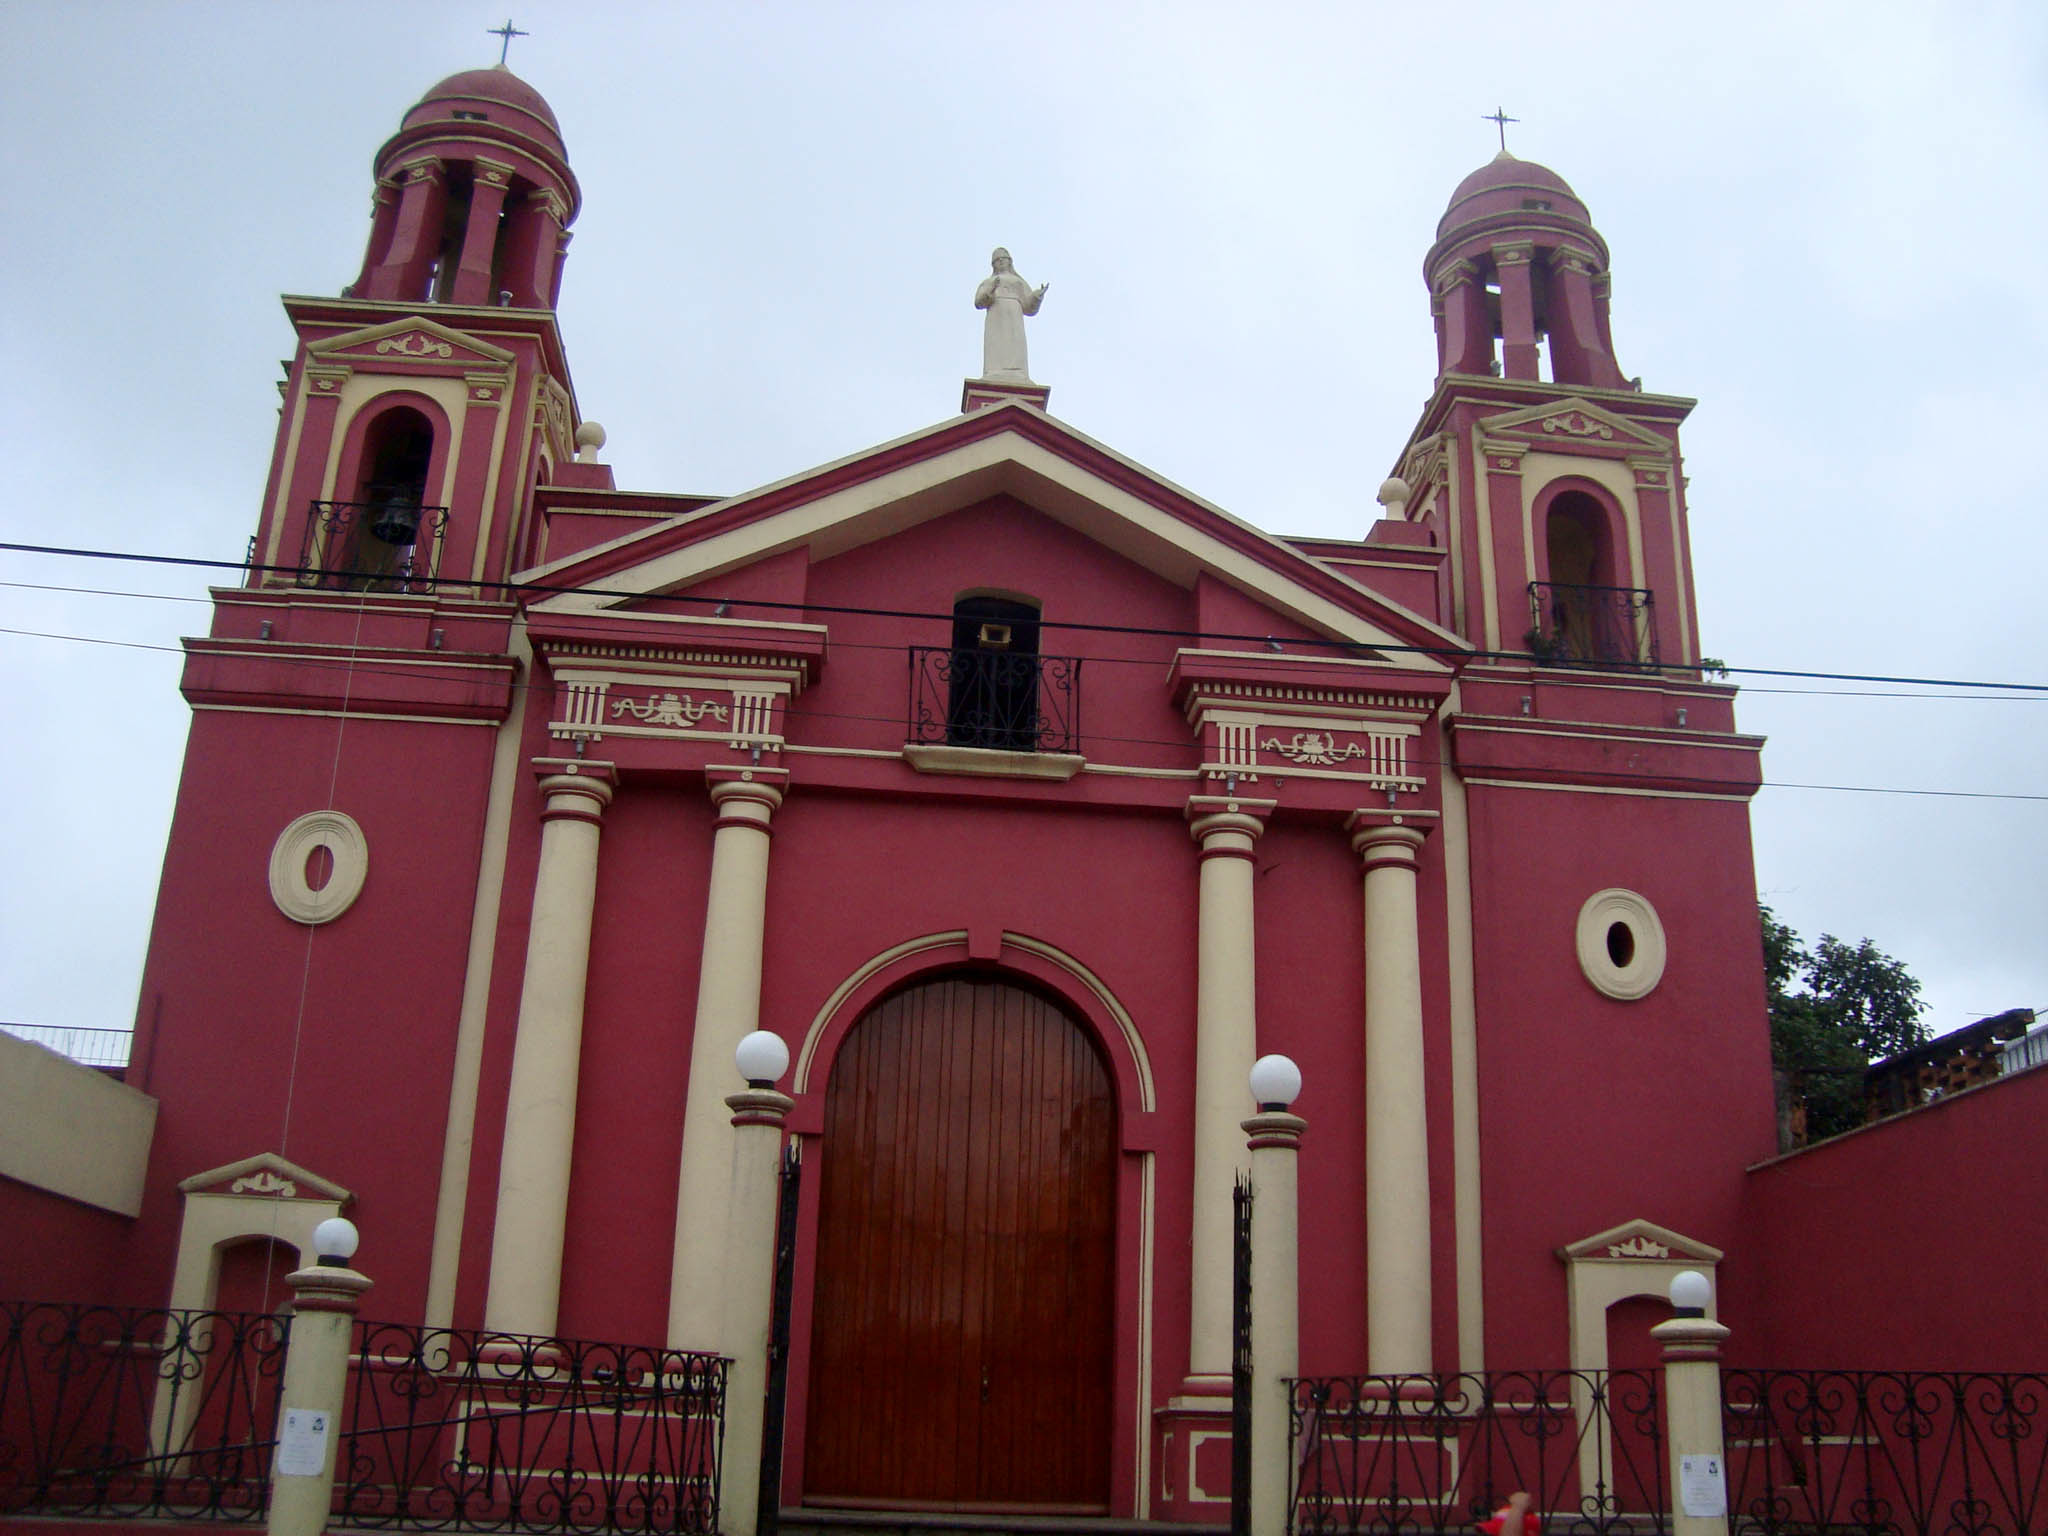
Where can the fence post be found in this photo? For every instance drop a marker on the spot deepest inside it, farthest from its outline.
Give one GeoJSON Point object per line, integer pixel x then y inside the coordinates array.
{"type": "Point", "coordinates": [751, 1210]}
{"type": "Point", "coordinates": [1274, 1137]}
{"type": "Point", "coordinates": [1692, 1409]}
{"type": "Point", "coordinates": [324, 1299]}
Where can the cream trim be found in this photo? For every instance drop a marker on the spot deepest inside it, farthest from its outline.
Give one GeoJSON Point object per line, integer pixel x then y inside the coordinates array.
{"type": "Point", "coordinates": [1525, 417]}
{"type": "Point", "coordinates": [795, 750]}
{"type": "Point", "coordinates": [459, 1135]}
{"type": "Point", "coordinates": [990, 763]}
{"type": "Point", "coordinates": [1142, 1439]}
{"type": "Point", "coordinates": [348, 714]}
{"type": "Point", "coordinates": [888, 504]}
{"type": "Point", "coordinates": [1612, 476]}
{"type": "Point", "coordinates": [347, 848]}
{"type": "Point", "coordinates": [487, 520]}
{"type": "Point", "coordinates": [1143, 773]}
{"type": "Point", "coordinates": [1466, 1170]}
{"type": "Point", "coordinates": [362, 391]}
{"type": "Point", "coordinates": [806, 1055]}
{"type": "Point", "coordinates": [1148, 1099]}
{"type": "Point", "coordinates": [287, 464]}
{"type": "Point", "coordinates": [279, 1167]}
{"type": "Point", "coordinates": [1482, 490]}
{"type": "Point", "coordinates": [1605, 789]}
{"type": "Point", "coordinates": [342, 342]}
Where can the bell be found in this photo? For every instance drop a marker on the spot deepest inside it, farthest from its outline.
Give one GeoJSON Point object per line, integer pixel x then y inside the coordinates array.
{"type": "Point", "coordinates": [395, 522]}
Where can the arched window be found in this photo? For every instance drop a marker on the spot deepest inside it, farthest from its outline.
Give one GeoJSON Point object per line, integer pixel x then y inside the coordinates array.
{"type": "Point", "coordinates": [992, 700]}
{"type": "Point", "coordinates": [1583, 609]}
{"type": "Point", "coordinates": [374, 536]}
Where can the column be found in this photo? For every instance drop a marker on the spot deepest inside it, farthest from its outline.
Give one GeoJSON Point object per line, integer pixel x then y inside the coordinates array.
{"type": "Point", "coordinates": [728, 1009]}
{"type": "Point", "coordinates": [1397, 1249]}
{"type": "Point", "coordinates": [1274, 1138]}
{"type": "Point", "coordinates": [480, 234]}
{"type": "Point", "coordinates": [325, 1296]}
{"type": "Point", "coordinates": [1514, 265]}
{"type": "Point", "coordinates": [1692, 1408]}
{"type": "Point", "coordinates": [751, 1207]}
{"type": "Point", "coordinates": [1226, 829]}
{"type": "Point", "coordinates": [415, 237]}
{"type": "Point", "coordinates": [540, 1106]}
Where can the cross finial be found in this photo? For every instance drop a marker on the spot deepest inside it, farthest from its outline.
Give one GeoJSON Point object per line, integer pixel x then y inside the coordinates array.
{"type": "Point", "coordinates": [508, 32]}
{"type": "Point", "coordinates": [1500, 120]}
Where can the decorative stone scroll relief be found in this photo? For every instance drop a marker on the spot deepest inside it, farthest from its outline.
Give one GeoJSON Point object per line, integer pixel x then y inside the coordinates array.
{"type": "Point", "coordinates": [680, 710]}
{"type": "Point", "coordinates": [1639, 1247]}
{"type": "Point", "coordinates": [1375, 752]}
{"type": "Point", "coordinates": [1578, 424]}
{"type": "Point", "coordinates": [349, 855]}
{"type": "Point", "coordinates": [415, 344]}
{"type": "Point", "coordinates": [1621, 944]}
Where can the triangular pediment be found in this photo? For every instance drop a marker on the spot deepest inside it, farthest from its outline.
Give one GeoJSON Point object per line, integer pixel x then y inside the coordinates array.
{"type": "Point", "coordinates": [265, 1174]}
{"type": "Point", "coordinates": [415, 339]}
{"type": "Point", "coordinates": [1012, 451]}
{"type": "Point", "coordinates": [1640, 1240]}
{"type": "Point", "coordinates": [1572, 421]}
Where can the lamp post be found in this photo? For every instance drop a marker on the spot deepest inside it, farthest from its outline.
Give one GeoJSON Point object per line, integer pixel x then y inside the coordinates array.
{"type": "Point", "coordinates": [1692, 1407]}
{"type": "Point", "coordinates": [324, 1298]}
{"type": "Point", "coordinates": [1274, 1136]}
{"type": "Point", "coordinates": [757, 1115]}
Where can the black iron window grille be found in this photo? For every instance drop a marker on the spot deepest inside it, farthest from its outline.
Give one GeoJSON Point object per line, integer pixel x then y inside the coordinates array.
{"type": "Point", "coordinates": [1885, 1453]}
{"type": "Point", "coordinates": [388, 542]}
{"type": "Point", "coordinates": [122, 1412]}
{"type": "Point", "coordinates": [1591, 626]}
{"type": "Point", "coordinates": [1434, 1454]}
{"type": "Point", "coordinates": [1013, 701]}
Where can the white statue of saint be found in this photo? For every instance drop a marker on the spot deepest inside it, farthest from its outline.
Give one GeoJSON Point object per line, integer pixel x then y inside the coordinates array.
{"type": "Point", "coordinates": [1008, 299]}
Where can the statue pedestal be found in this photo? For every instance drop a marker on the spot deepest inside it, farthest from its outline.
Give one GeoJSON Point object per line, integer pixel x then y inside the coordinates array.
{"type": "Point", "coordinates": [980, 394]}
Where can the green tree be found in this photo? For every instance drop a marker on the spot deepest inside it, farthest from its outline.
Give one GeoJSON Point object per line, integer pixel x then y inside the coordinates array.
{"type": "Point", "coordinates": [1834, 1009]}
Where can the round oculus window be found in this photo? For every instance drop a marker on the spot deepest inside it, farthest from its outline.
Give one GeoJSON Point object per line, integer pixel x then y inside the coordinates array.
{"type": "Point", "coordinates": [1621, 944]}
{"type": "Point", "coordinates": [318, 866]}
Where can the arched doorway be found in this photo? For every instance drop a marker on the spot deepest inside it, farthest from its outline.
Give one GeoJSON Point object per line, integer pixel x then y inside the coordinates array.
{"type": "Point", "coordinates": [961, 1332]}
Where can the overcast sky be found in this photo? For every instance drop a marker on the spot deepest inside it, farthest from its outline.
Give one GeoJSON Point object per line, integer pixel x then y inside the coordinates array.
{"type": "Point", "coordinates": [1827, 224]}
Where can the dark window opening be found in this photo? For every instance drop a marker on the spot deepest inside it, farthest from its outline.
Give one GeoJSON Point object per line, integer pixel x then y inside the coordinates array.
{"type": "Point", "coordinates": [992, 700]}
{"type": "Point", "coordinates": [1621, 944]}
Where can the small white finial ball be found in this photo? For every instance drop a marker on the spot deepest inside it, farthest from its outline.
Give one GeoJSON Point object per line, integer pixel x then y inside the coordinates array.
{"type": "Point", "coordinates": [589, 435]}
{"type": "Point", "coordinates": [1275, 1080]}
{"type": "Point", "coordinates": [1394, 492]}
{"type": "Point", "coordinates": [1691, 1290]}
{"type": "Point", "coordinates": [336, 1238]}
{"type": "Point", "coordinates": [762, 1057]}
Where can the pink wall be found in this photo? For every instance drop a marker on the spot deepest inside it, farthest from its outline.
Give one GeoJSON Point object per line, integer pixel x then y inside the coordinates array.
{"type": "Point", "coordinates": [1915, 1243]}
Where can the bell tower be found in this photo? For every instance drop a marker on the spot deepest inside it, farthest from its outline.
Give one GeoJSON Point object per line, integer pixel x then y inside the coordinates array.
{"type": "Point", "coordinates": [426, 403]}
{"type": "Point", "coordinates": [1553, 482]}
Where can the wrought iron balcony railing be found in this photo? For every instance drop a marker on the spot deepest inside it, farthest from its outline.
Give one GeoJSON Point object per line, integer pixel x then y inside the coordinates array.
{"type": "Point", "coordinates": [388, 543]}
{"type": "Point", "coordinates": [1011, 701]}
{"type": "Point", "coordinates": [1591, 626]}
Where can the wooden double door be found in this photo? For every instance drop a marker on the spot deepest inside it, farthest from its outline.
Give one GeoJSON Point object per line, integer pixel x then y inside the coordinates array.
{"type": "Point", "coordinates": [961, 1338]}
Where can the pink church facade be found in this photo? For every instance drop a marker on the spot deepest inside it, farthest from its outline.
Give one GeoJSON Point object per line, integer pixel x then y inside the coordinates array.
{"type": "Point", "coordinates": [1028, 799]}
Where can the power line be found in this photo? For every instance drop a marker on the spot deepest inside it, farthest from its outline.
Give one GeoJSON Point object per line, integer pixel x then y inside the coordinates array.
{"type": "Point", "coordinates": [1352, 647]}
{"type": "Point", "coordinates": [794, 712]}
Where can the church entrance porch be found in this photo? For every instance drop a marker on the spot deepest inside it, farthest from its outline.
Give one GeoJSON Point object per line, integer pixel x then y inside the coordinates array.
{"type": "Point", "coordinates": [963, 1325]}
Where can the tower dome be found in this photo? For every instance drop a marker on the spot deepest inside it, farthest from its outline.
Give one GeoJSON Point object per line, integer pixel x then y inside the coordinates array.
{"type": "Point", "coordinates": [496, 92]}
{"type": "Point", "coordinates": [1517, 261]}
{"type": "Point", "coordinates": [474, 198]}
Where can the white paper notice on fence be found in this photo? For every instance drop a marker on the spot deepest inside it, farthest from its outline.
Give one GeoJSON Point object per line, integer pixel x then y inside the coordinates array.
{"type": "Point", "coordinates": [302, 1443]}
{"type": "Point", "coordinates": [1702, 1490]}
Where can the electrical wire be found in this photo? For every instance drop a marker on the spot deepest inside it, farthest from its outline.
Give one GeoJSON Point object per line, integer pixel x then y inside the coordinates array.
{"type": "Point", "coordinates": [798, 713]}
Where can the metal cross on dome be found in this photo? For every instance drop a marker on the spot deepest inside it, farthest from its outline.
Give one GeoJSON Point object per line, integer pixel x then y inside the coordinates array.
{"type": "Point", "coordinates": [508, 32]}
{"type": "Point", "coordinates": [1500, 120]}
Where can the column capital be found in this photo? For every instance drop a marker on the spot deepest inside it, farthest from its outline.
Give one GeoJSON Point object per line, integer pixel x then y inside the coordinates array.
{"type": "Point", "coordinates": [1274, 1128]}
{"type": "Point", "coordinates": [1389, 837]}
{"type": "Point", "coordinates": [749, 795]}
{"type": "Point", "coordinates": [425, 168]}
{"type": "Point", "coordinates": [326, 1288]}
{"type": "Point", "coordinates": [759, 1106]}
{"type": "Point", "coordinates": [1690, 1338]}
{"type": "Point", "coordinates": [574, 787]}
{"type": "Point", "coordinates": [1212, 817]}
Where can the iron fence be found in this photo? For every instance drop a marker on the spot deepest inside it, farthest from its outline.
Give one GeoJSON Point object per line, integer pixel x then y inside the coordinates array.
{"type": "Point", "coordinates": [389, 543]}
{"type": "Point", "coordinates": [452, 1430]}
{"type": "Point", "coordinates": [1591, 626]}
{"type": "Point", "coordinates": [113, 1411]}
{"type": "Point", "coordinates": [1886, 1453]}
{"type": "Point", "coordinates": [1016, 701]}
{"type": "Point", "coordinates": [1411, 1454]}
